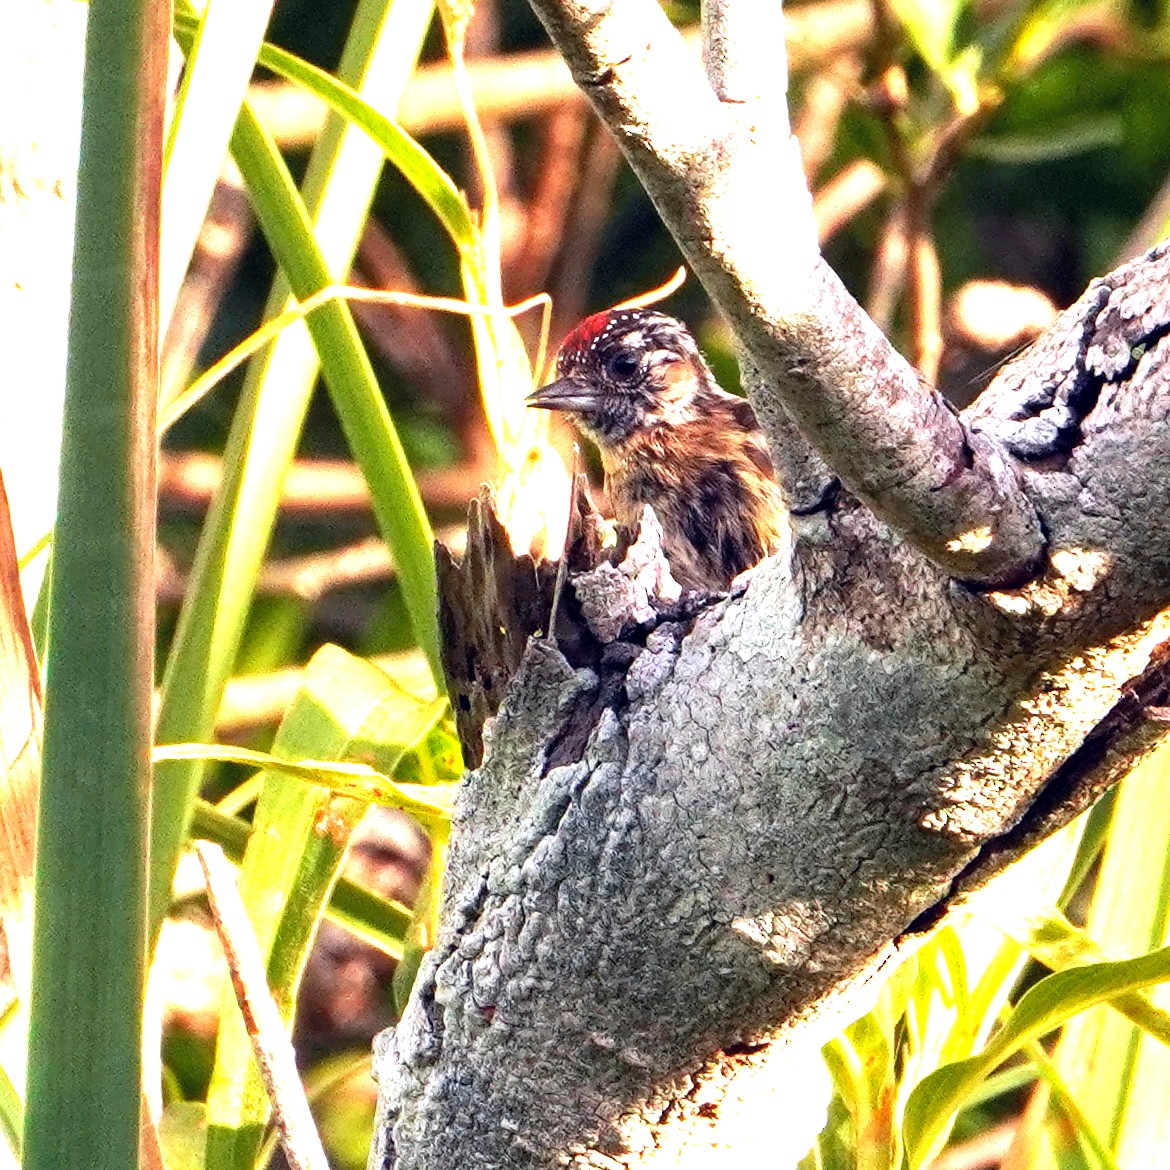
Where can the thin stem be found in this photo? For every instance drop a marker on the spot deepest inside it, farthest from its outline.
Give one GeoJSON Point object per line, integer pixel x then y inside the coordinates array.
{"type": "Point", "coordinates": [272, 328]}
{"type": "Point", "coordinates": [925, 297]}
{"type": "Point", "coordinates": [270, 1043]}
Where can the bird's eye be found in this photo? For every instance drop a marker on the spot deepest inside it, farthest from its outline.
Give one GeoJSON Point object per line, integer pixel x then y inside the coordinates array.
{"type": "Point", "coordinates": [622, 365]}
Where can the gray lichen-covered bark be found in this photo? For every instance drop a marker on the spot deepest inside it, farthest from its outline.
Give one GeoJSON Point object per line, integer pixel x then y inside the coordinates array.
{"type": "Point", "coordinates": [641, 910]}
{"type": "Point", "coordinates": [698, 826]}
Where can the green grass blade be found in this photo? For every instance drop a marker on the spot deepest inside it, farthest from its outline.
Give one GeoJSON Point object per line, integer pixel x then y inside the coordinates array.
{"type": "Point", "coordinates": [1001, 1083]}
{"type": "Point", "coordinates": [346, 707]}
{"type": "Point", "coordinates": [1064, 1100]}
{"type": "Point", "coordinates": [349, 376]}
{"type": "Point", "coordinates": [339, 183]}
{"type": "Point", "coordinates": [417, 166]}
{"type": "Point", "coordinates": [1120, 1076]}
{"type": "Point", "coordinates": [11, 1114]}
{"type": "Point", "coordinates": [89, 944]}
{"type": "Point", "coordinates": [1052, 940]}
{"type": "Point", "coordinates": [861, 1061]}
{"type": "Point", "coordinates": [219, 67]}
{"type": "Point", "coordinates": [1044, 1008]}
{"type": "Point", "coordinates": [425, 175]}
{"type": "Point", "coordinates": [428, 803]}
{"type": "Point", "coordinates": [424, 925]}
{"type": "Point", "coordinates": [368, 916]}
{"type": "Point", "coordinates": [324, 1077]}
{"type": "Point", "coordinates": [379, 921]}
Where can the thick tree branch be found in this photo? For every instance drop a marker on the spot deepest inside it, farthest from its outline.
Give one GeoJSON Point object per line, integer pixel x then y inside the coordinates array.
{"type": "Point", "coordinates": [692, 836]}
{"type": "Point", "coordinates": [736, 202]}
{"type": "Point", "coordinates": [697, 831]}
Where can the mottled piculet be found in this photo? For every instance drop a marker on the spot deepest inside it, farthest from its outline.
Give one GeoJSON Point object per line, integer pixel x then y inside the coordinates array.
{"type": "Point", "coordinates": [634, 382]}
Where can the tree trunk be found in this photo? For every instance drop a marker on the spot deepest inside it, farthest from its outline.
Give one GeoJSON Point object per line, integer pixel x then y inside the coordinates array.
{"type": "Point", "coordinates": [689, 838]}
{"type": "Point", "coordinates": [697, 831]}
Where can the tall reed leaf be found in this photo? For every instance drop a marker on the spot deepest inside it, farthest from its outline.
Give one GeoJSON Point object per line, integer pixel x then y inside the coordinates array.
{"type": "Point", "coordinates": [379, 55]}
{"type": "Point", "coordinates": [346, 709]}
{"type": "Point", "coordinates": [89, 937]}
{"type": "Point", "coordinates": [222, 57]}
{"type": "Point", "coordinates": [349, 376]}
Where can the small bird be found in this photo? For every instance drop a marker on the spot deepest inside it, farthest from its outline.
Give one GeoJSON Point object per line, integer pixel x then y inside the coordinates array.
{"type": "Point", "coordinates": [634, 382]}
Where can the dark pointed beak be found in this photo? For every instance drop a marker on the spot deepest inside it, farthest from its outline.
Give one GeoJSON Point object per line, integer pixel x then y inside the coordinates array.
{"type": "Point", "coordinates": [571, 394]}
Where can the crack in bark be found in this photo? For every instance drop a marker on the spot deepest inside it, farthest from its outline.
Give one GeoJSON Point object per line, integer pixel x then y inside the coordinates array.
{"type": "Point", "coordinates": [1123, 737]}
{"type": "Point", "coordinates": [1092, 345]}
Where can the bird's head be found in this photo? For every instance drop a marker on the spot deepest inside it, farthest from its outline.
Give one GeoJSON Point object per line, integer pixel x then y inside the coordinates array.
{"type": "Point", "coordinates": [625, 371]}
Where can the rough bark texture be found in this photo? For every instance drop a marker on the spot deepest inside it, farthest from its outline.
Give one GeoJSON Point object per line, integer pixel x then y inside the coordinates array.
{"type": "Point", "coordinates": [693, 834]}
